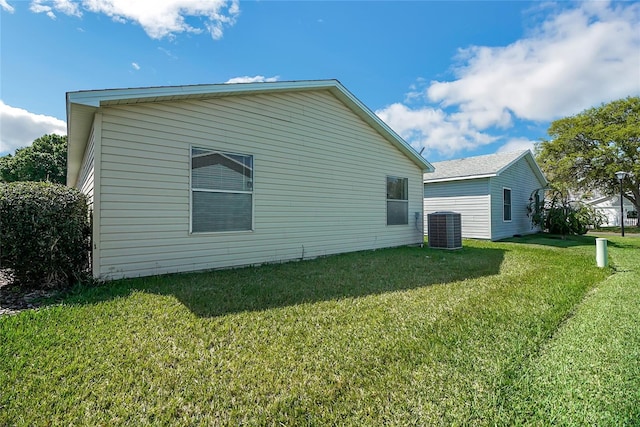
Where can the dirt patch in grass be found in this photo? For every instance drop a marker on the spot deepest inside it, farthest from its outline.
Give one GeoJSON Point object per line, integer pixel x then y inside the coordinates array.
{"type": "Point", "coordinates": [14, 299]}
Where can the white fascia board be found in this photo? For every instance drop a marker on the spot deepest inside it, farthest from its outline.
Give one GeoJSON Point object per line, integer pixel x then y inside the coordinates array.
{"type": "Point", "coordinates": [458, 178]}
{"type": "Point", "coordinates": [512, 162]}
{"type": "Point", "coordinates": [79, 121]}
{"type": "Point", "coordinates": [81, 105]}
{"type": "Point", "coordinates": [376, 122]}
{"type": "Point", "coordinates": [96, 98]}
{"type": "Point", "coordinates": [532, 163]}
{"type": "Point", "coordinates": [538, 172]}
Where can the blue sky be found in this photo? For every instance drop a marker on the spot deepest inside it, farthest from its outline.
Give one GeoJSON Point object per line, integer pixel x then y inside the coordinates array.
{"type": "Point", "coordinates": [459, 78]}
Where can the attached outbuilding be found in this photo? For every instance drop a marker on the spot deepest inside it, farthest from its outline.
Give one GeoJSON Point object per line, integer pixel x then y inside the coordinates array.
{"type": "Point", "coordinates": [491, 192]}
{"type": "Point", "coordinates": [188, 178]}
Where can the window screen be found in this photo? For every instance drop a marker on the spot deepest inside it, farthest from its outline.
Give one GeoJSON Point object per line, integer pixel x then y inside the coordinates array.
{"type": "Point", "coordinates": [221, 191]}
{"type": "Point", "coordinates": [506, 197]}
{"type": "Point", "coordinates": [397, 200]}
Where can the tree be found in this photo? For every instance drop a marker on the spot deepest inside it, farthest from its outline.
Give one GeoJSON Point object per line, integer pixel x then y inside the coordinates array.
{"type": "Point", "coordinates": [44, 160]}
{"type": "Point", "coordinates": [555, 213]}
{"type": "Point", "coordinates": [585, 151]}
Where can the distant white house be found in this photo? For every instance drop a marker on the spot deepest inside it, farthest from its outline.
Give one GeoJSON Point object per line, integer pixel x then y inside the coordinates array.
{"type": "Point", "coordinates": [491, 193]}
{"type": "Point", "coordinates": [609, 207]}
{"type": "Point", "coordinates": [187, 178]}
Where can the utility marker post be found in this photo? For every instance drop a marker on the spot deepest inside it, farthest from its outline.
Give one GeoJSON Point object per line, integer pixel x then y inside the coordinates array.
{"type": "Point", "coordinates": [602, 258]}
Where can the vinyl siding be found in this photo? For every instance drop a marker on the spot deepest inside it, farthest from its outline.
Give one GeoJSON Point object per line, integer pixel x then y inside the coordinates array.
{"type": "Point", "coordinates": [86, 177]}
{"type": "Point", "coordinates": [470, 198]}
{"type": "Point", "coordinates": [522, 181]}
{"type": "Point", "coordinates": [89, 183]}
{"type": "Point", "coordinates": [319, 182]}
{"type": "Point", "coordinates": [610, 208]}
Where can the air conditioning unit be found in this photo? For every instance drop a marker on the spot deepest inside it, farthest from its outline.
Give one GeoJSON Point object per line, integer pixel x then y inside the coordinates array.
{"type": "Point", "coordinates": [444, 230]}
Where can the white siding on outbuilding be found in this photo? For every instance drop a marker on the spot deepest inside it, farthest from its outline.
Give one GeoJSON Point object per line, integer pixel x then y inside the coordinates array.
{"type": "Point", "coordinates": [522, 182]}
{"type": "Point", "coordinates": [319, 182]}
{"type": "Point", "coordinates": [475, 187]}
{"type": "Point", "coordinates": [609, 208]}
{"type": "Point", "coordinates": [86, 178]}
{"type": "Point", "coordinates": [469, 197]}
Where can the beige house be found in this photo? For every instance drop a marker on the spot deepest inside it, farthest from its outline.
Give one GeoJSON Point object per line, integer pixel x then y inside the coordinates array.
{"type": "Point", "coordinates": [187, 178]}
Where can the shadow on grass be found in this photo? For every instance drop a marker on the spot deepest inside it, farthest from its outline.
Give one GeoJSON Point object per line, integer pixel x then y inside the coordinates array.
{"type": "Point", "coordinates": [629, 241]}
{"type": "Point", "coordinates": [350, 275]}
{"type": "Point", "coordinates": [632, 230]}
{"type": "Point", "coordinates": [553, 240]}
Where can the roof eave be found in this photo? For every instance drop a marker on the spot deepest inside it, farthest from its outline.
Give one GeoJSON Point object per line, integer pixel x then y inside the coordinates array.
{"type": "Point", "coordinates": [79, 122]}
{"type": "Point", "coordinates": [82, 106]}
{"type": "Point", "coordinates": [381, 127]}
{"type": "Point", "coordinates": [532, 163]}
{"type": "Point", "coordinates": [459, 178]}
{"type": "Point", "coordinates": [97, 98]}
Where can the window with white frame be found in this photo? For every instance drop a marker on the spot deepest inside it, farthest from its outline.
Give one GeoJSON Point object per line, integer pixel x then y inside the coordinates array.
{"type": "Point", "coordinates": [397, 200]}
{"type": "Point", "coordinates": [221, 191]}
{"type": "Point", "coordinates": [506, 204]}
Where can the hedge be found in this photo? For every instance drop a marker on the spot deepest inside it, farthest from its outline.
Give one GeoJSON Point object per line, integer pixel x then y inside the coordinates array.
{"type": "Point", "coordinates": [44, 234]}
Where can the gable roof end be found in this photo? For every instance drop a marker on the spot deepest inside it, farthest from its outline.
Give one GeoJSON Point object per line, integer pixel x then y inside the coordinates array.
{"type": "Point", "coordinates": [82, 106]}
{"type": "Point", "coordinates": [485, 166]}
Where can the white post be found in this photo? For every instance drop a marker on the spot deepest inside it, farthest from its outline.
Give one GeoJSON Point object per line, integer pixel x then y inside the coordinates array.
{"type": "Point", "coordinates": [602, 260]}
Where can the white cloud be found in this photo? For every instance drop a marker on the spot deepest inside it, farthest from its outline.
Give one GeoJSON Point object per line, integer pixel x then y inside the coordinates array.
{"type": "Point", "coordinates": [517, 144]}
{"type": "Point", "coordinates": [254, 79]}
{"type": "Point", "coordinates": [575, 59]}
{"type": "Point", "coordinates": [162, 18]}
{"type": "Point", "coordinates": [19, 128]}
{"type": "Point", "coordinates": [135, 66]}
{"type": "Point", "coordinates": [167, 52]}
{"type": "Point", "coordinates": [6, 6]}
{"type": "Point", "coordinates": [67, 7]}
{"type": "Point", "coordinates": [433, 129]}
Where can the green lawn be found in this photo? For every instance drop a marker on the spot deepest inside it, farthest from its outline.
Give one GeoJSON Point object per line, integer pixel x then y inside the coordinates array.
{"type": "Point", "coordinates": [629, 229]}
{"type": "Point", "coordinates": [522, 332]}
{"type": "Point", "coordinates": [589, 372]}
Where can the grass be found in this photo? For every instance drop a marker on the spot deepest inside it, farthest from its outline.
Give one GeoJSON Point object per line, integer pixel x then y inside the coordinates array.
{"type": "Point", "coordinates": [405, 336]}
{"type": "Point", "coordinates": [629, 229]}
{"type": "Point", "coordinates": [589, 372]}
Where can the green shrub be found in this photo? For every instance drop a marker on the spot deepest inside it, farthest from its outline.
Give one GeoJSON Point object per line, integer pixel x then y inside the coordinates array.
{"type": "Point", "coordinates": [44, 233]}
{"type": "Point", "coordinates": [556, 214]}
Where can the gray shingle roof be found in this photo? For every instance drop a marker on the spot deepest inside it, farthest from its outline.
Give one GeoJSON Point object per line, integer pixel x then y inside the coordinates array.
{"type": "Point", "coordinates": [473, 167]}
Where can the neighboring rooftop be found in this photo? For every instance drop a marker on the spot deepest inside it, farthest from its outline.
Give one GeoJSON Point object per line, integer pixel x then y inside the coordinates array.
{"type": "Point", "coordinates": [478, 167]}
